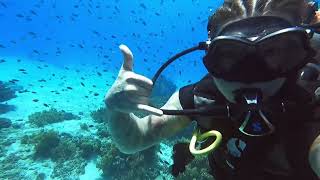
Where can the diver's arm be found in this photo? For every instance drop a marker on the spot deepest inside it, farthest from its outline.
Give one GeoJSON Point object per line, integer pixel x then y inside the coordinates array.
{"type": "Point", "coordinates": [132, 134]}
{"type": "Point", "coordinates": [314, 156]}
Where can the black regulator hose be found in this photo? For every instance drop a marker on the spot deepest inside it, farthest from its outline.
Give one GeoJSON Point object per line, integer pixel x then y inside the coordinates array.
{"type": "Point", "coordinates": [201, 46]}
{"type": "Point", "coordinates": [218, 111]}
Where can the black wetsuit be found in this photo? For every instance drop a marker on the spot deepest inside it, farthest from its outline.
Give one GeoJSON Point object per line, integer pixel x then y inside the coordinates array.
{"type": "Point", "coordinates": [247, 158]}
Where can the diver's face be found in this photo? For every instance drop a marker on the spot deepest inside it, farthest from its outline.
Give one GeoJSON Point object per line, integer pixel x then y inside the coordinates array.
{"type": "Point", "coordinates": [228, 88]}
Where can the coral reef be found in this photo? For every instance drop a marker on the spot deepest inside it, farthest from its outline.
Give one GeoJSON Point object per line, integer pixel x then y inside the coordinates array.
{"type": "Point", "coordinates": [5, 123]}
{"type": "Point", "coordinates": [61, 147]}
{"type": "Point", "coordinates": [67, 169]}
{"type": "Point", "coordinates": [141, 165]}
{"type": "Point", "coordinates": [84, 126]}
{"type": "Point", "coordinates": [7, 92]}
{"type": "Point", "coordinates": [100, 115]}
{"type": "Point", "coordinates": [46, 117]}
{"type": "Point", "coordinates": [46, 142]}
{"type": "Point", "coordinates": [4, 108]}
{"type": "Point", "coordinates": [9, 168]}
{"type": "Point", "coordinates": [197, 169]}
{"type": "Point", "coordinates": [89, 147]}
{"type": "Point", "coordinates": [69, 153]}
{"type": "Point", "coordinates": [102, 131]}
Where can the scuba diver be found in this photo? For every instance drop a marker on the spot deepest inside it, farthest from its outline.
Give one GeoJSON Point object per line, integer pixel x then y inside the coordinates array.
{"type": "Point", "coordinates": [257, 110]}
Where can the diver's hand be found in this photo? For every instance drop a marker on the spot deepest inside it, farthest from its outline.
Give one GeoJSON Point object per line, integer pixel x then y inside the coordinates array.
{"type": "Point", "coordinates": [130, 92]}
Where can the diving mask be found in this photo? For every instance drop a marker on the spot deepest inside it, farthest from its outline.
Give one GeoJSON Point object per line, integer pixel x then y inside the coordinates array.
{"type": "Point", "coordinates": [258, 49]}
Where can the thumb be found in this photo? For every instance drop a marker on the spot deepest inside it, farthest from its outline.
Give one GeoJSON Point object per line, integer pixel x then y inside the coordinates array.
{"type": "Point", "coordinates": [127, 58]}
{"type": "Point", "coordinates": [149, 109]}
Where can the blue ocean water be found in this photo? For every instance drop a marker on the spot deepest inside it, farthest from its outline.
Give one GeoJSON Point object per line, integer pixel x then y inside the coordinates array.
{"type": "Point", "coordinates": [59, 58]}
{"type": "Point", "coordinates": [54, 31]}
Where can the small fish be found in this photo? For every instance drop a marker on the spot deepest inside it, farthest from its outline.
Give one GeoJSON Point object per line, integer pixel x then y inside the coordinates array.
{"type": "Point", "coordinates": [69, 88]}
{"type": "Point", "coordinates": [36, 51]}
{"type": "Point", "coordinates": [35, 100]}
{"type": "Point", "coordinates": [99, 74]}
{"type": "Point", "coordinates": [19, 15]}
{"type": "Point", "coordinates": [46, 105]}
{"type": "Point", "coordinates": [2, 46]}
{"type": "Point", "coordinates": [3, 4]}
{"type": "Point", "coordinates": [86, 96]}
{"type": "Point", "coordinates": [23, 91]}
{"type": "Point", "coordinates": [33, 92]}
{"type": "Point", "coordinates": [94, 86]}
{"type": "Point", "coordinates": [22, 70]}
{"type": "Point", "coordinates": [42, 80]}
{"type": "Point", "coordinates": [96, 33]}
{"type": "Point", "coordinates": [2, 61]}
{"type": "Point", "coordinates": [13, 81]}
{"type": "Point", "coordinates": [82, 84]}
{"type": "Point", "coordinates": [33, 12]}
{"type": "Point", "coordinates": [32, 33]}
{"type": "Point", "coordinates": [96, 94]}
{"type": "Point", "coordinates": [143, 6]}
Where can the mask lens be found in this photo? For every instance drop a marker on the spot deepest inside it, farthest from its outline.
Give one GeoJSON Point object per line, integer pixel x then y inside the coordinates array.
{"type": "Point", "coordinates": [283, 52]}
{"type": "Point", "coordinates": [225, 54]}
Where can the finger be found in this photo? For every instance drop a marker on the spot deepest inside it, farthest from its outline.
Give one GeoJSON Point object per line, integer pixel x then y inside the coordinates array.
{"type": "Point", "coordinates": [127, 58]}
{"type": "Point", "coordinates": [140, 83]}
{"type": "Point", "coordinates": [140, 80]}
{"type": "Point", "coordinates": [137, 90]}
{"type": "Point", "coordinates": [150, 109]}
{"type": "Point", "coordinates": [139, 100]}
